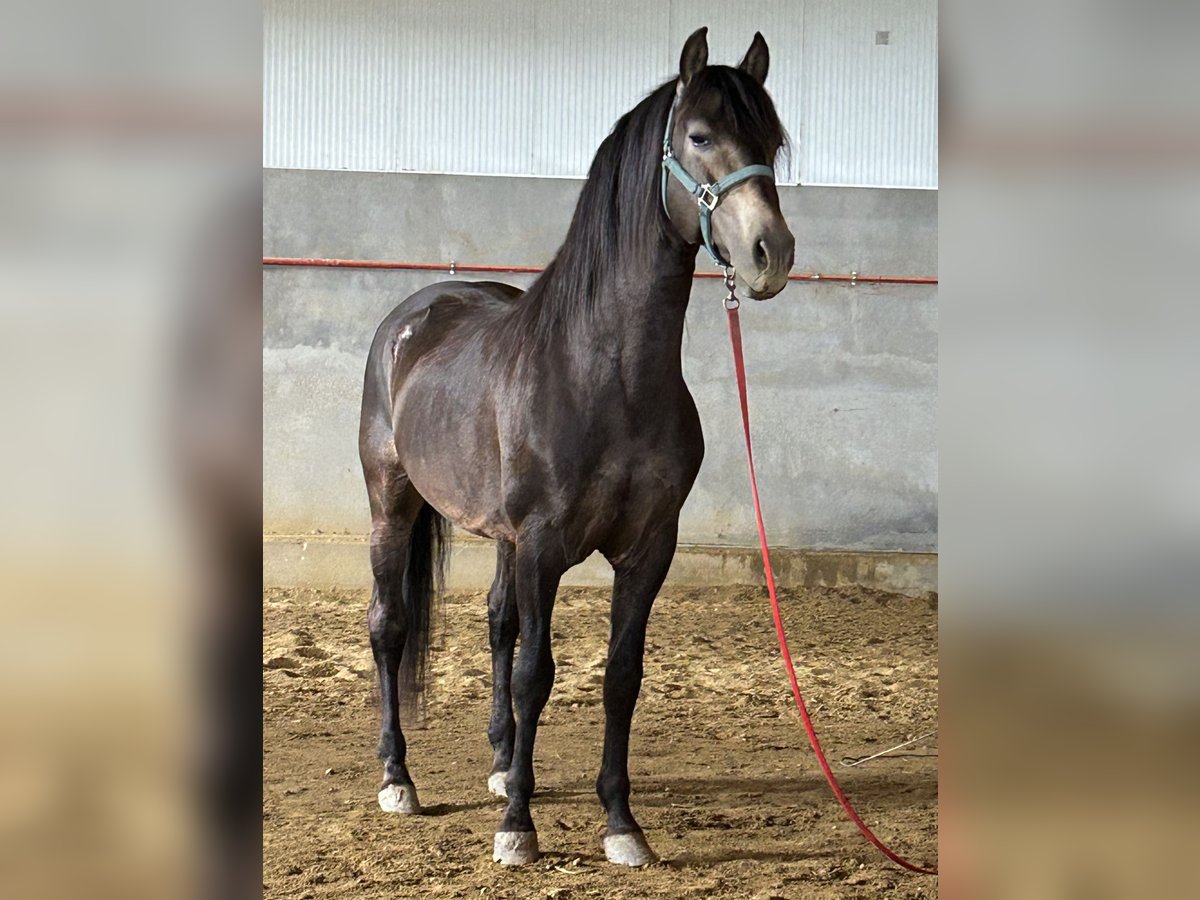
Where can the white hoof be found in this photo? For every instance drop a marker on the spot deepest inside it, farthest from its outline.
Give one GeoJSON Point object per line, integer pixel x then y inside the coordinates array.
{"type": "Point", "coordinates": [400, 798]}
{"type": "Point", "coordinates": [498, 784]}
{"type": "Point", "coordinates": [515, 848]}
{"type": "Point", "coordinates": [629, 850]}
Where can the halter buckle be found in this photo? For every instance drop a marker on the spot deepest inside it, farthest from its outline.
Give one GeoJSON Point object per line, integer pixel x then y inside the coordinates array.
{"type": "Point", "coordinates": [706, 197]}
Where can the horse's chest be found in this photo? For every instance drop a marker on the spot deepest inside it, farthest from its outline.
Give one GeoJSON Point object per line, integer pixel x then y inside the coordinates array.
{"type": "Point", "coordinates": [657, 462]}
{"type": "Point", "coordinates": [598, 464]}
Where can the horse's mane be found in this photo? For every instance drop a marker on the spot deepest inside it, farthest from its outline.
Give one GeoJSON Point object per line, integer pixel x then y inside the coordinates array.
{"type": "Point", "coordinates": [619, 219]}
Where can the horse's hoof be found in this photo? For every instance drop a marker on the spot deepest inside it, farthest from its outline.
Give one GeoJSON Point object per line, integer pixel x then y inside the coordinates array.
{"type": "Point", "coordinates": [400, 798]}
{"type": "Point", "coordinates": [498, 784]}
{"type": "Point", "coordinates": [515, 848]}
{"type": "Point", "coordinates": [629, 850]}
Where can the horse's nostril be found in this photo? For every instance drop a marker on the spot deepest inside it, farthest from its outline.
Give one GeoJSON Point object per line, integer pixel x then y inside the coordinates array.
{"type": "Point", "coordinates": [761, 256]}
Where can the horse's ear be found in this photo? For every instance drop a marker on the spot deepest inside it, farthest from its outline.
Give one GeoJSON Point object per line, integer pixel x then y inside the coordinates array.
{"type": "Point", "coordinates": [757, 59]}
{"type": "Point", "coordinates": [694, 56]}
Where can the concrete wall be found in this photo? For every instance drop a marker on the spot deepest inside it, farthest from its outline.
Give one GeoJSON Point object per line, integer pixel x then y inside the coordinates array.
{"type": "Point", "coordinates": [843, 381]}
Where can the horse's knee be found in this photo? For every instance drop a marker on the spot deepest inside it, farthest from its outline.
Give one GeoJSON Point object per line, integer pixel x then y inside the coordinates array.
{"type": "Point", "coordinates": [533, 677]}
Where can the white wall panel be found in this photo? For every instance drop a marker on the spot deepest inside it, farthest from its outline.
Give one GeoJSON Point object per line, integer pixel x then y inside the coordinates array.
{"type": "Point", "coordinates": [596, 62]}
{"type": "Point", "coordinates": [870, 109]}
{"type": "Point", "coordinates": [531, 88]}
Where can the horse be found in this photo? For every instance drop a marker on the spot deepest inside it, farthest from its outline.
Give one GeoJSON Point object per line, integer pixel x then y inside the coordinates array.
{"type": "Point", "coordinates": [557, 423]}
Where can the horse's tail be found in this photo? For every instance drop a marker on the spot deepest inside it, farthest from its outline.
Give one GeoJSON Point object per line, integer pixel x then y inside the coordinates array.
{"type": "Point", "coordinates": [424, 581]}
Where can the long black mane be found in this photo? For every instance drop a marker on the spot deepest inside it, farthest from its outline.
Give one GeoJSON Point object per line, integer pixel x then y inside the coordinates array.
{"type": "Point", "coordinates": [619, 219]}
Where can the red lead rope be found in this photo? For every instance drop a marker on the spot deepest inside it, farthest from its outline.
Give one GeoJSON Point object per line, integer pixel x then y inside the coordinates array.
{"type": "Point", "coordinates": [735, 337]}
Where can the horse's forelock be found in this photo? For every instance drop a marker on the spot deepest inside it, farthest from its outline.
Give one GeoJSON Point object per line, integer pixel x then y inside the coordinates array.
{"type": "Point", "coordinates": [744, 108]}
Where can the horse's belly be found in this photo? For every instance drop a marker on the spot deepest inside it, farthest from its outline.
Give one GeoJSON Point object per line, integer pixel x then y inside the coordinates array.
{"type": "Point", "coordinates": [473, 510]}
{"type": "Point", "coordinates": [446, 443]}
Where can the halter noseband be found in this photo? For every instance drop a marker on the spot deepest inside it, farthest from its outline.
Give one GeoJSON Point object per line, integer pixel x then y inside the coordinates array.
{"type": "Point", "coordinates": [707, 196]}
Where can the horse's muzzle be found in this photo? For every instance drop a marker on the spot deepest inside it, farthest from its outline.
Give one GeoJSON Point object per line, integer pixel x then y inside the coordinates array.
{"type": "Point", "coordinates": [773, 253]}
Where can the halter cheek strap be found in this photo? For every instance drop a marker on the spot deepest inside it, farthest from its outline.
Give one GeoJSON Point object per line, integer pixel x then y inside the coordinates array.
{"type": "Point", "coordinates": [707, 196]}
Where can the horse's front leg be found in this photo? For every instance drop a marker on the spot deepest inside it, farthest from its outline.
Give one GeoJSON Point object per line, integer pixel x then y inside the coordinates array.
{"type": "Point", "coordinates": [639, 575]}
{"type": "Point", "coordinates": [539, 569]}
{"type": "Point", "coordinates": [502, 636]}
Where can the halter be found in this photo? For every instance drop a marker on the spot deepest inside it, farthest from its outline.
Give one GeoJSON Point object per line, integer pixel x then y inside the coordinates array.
{"type": "Point", "coordinates": [707, 196]}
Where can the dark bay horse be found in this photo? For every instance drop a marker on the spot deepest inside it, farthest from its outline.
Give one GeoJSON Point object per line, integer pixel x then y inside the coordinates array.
{"type": "Point", "coordinates": [557, 422]}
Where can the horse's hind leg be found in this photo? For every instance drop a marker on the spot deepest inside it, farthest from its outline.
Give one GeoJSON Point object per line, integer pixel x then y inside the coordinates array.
{"type": "Point", "coordinates": [637, 580]}
{"type": "Point", "coordinates": [391, 531]}
{"type": "Point", "coordinates": [502, 634]}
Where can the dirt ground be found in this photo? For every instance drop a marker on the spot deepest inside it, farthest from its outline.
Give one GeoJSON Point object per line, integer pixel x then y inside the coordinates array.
{"type": "Point", "coordinates": [724, 783]}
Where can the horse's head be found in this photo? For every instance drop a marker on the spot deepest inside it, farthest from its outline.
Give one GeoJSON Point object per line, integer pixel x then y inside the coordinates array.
{"type": "Point", "coordinates": [724, 121]}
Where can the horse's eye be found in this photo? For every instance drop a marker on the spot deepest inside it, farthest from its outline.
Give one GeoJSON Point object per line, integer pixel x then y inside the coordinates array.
{"type": "Point", "coordinates": [698, 140]}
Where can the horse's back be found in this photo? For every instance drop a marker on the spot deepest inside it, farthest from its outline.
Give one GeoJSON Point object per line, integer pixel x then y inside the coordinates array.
{"type": "Point", "coordinates": [481, 295]}
{"type": "Point", "coordinates": [425, 319]}
{"type": "Point", "coordinates": [450, 300]}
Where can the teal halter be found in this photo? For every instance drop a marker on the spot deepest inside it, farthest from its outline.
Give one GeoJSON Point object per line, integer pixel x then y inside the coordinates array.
{"type": "Point", "coordinates": [707, 196]}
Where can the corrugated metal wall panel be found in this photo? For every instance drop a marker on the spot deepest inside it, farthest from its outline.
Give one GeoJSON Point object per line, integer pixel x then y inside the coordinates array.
{"type": "Point", "coordinates": [531, 88]}
{"type": "Point", "coordinates": [465, 89]}
{"type": "Point", "coordinates": [870, 109]}
{"type": "Point", "coordinates": [597, 62]}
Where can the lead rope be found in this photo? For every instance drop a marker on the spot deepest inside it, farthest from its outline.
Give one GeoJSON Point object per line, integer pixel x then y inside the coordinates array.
{"type": "Point", "coordinates": [735, 337]}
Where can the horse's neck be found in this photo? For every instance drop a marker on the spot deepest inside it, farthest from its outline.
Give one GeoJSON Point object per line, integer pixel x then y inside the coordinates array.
{"type": "Point", "coordinates": [635, 332]}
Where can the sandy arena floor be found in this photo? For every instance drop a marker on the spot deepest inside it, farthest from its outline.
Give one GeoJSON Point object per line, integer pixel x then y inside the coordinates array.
{"type": "Point", "coordinates": [724, 783]}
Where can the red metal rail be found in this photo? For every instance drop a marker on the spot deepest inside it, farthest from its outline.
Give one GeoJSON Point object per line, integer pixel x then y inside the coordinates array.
{"type": "Point", "coordinates": [453, 268]}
